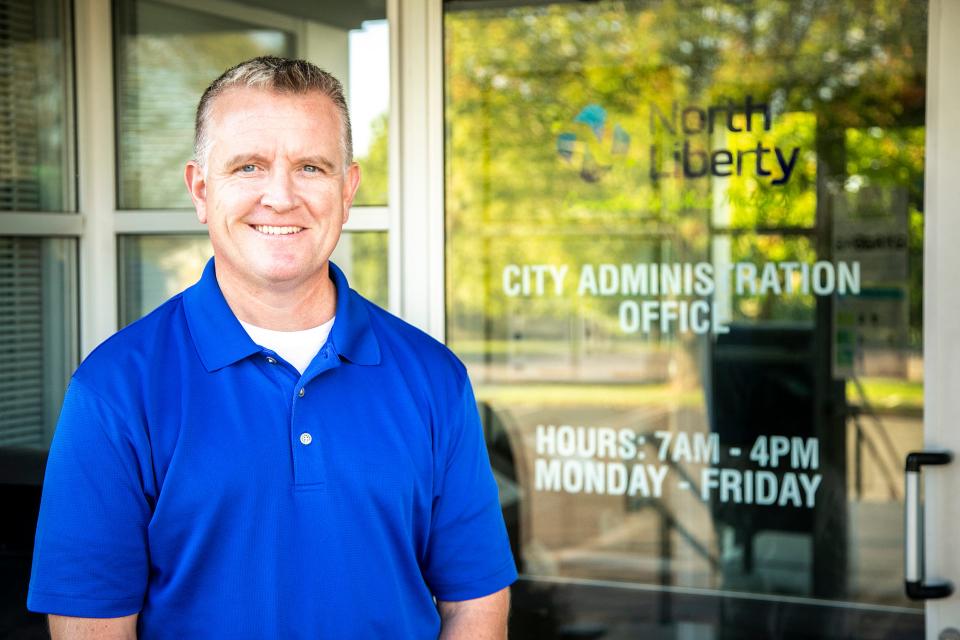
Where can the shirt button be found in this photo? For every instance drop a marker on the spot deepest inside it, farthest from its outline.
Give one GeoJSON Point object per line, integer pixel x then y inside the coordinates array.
{"type": "Point", "coordinates": [305, 438]}
{"type": "Point", "coordinates": [302, 392]}
{"type": "Point", "coordinates": [271, 360]}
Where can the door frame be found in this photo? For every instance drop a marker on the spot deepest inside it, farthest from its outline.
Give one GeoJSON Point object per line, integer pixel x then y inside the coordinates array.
{"type": "Point", "coordinates": [941, 306]}
{"type": "Point", "coordinates": [417, 232]}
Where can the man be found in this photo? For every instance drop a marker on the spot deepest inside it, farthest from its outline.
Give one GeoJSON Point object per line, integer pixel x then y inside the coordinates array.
{"type": "Point", "coordinates": [269, 455]}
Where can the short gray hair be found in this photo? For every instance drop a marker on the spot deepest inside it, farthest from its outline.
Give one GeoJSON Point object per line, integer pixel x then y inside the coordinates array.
{"type": "Point", "coordinates": [271, 73]}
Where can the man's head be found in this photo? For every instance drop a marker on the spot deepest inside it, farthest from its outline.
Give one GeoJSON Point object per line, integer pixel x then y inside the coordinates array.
{"type": "Point", "coordinates": [279, 75]}
{"type": "Point", "coordinates": [273, 178]}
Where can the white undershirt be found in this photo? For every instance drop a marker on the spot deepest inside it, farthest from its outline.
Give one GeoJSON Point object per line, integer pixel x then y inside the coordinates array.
{"type": "Point", "coordinates": [296, 347]}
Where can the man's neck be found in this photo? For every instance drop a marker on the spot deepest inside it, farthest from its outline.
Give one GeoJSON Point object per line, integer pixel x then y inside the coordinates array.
{"type": "Point", "coordinates": [280, 308]}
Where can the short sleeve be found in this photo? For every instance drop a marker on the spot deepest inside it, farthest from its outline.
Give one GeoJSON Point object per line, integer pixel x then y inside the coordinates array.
{"type": "Point", "coordinates": [90, 557]}
{"type": "Point", "coordinates": [468, 553]}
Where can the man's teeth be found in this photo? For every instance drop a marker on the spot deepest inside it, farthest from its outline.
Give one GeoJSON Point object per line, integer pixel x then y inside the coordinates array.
{"type": "Point", "coordinates": [276, 231]}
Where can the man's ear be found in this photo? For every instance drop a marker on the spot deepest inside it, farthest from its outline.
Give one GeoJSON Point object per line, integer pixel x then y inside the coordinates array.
{"type": "Point", "coordinates": [196, 181]}
{"type": "Point", "coordinates": [351, 181]}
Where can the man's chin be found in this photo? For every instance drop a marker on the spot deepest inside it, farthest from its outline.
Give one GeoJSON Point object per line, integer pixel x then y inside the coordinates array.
{"type": "Point", "coordinates": [270, 272]}
{"type": "Point", "coordinates": [288, 275]}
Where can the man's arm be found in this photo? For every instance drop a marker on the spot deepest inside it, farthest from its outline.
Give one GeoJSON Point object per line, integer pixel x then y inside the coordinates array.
{"type": "Point", "coordinates": [68, 628]}
{"type": "Point", "coordinates": [478, 619]}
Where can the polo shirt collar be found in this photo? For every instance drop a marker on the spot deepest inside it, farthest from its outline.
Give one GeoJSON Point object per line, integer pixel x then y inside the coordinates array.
{"type": "Point", "coordinates": [216, 332]}
{"type": "Point", "coordinates": [352, 336]}
{"type": "Point", "coordinates": [222, 341]}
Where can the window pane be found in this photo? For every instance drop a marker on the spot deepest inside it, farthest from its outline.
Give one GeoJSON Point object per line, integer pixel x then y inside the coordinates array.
{"type": "Point", "coordinates": [38, 336]}
{"type": "Point", "coordinates": [155, 267]}
{"type": "Point", "coordinates": [35, 89]}
{"type": "Point", "coordinates": [166, 56]}
{"type": "Point", "coordinates": [363, 257]}
{"type": "Point", "coordinates": [369, 97]}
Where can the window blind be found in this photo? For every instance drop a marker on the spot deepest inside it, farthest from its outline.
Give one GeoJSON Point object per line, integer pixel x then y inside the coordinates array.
{"type": "Point", "coordinates": [19, 144]}
{"type": "Point", "coordinates": [21, 343]}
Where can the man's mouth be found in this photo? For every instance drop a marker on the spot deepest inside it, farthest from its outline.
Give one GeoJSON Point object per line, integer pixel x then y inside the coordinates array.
{"type": "Point", "coordinates": [276, 231]}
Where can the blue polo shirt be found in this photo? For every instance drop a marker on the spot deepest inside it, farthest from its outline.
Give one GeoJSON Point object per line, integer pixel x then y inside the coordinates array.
{"type": "Point", "coordinates": [200, 480]}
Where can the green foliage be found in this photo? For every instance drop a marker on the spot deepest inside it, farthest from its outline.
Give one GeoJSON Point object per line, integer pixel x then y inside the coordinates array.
{"type": "Point", "coordinates": [373, 167]}
{"type": "Point", "coordinates": [368, 265]}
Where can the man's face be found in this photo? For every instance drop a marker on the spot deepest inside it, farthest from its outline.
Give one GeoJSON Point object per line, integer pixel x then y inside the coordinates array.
{"type": "Point", "coordinates": [276, 193]}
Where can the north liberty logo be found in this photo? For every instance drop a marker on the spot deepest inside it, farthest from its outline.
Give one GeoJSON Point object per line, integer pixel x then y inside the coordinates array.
{"type": "Point", "coordinates": [596, 147]}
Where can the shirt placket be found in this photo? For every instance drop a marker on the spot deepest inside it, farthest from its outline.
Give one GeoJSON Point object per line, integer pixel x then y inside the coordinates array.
{"type": "Point", "coordinates": [306, 419]}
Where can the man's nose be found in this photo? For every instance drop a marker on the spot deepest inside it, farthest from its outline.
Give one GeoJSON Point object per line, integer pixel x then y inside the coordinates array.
{"type": "Point", "coordinates": [279, 192]}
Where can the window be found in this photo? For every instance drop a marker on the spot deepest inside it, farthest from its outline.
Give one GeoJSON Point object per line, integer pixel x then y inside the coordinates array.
{"type": "Point", "coordinates": [37, 335]}
{"type": "Point", "coordinates": [38, 288]}
{"type": "Point", "coordinates": [35, 119]}
{"type": "Point", "coordinates": [166, 56]}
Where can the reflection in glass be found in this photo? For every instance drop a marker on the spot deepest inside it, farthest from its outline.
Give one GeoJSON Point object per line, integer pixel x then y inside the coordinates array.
{"type": "Point", "coordinates": [35, 107]}
{"type": "Point", "coordinates": [362, 255]}
{"type": "Point", "coordinates": [153, 268]}
{"type": "Point", "coordinates": [156, 267]}
{"type": "Point", "coordinates": [369, 90]}
{"type": "Point", "coordinates": [684, 269]}
{"type": "Point", "coordinates": [166, 56]}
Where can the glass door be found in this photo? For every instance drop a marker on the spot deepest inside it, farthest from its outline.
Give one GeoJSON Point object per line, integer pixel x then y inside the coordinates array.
{"type": "Point", "coordinates": [684, 265]}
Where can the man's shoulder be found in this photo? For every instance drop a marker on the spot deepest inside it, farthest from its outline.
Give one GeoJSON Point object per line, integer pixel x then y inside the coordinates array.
{"type": "Point", "coordinates": [411, 345]}
{"type": "Point", "coordinates": [129, 352]}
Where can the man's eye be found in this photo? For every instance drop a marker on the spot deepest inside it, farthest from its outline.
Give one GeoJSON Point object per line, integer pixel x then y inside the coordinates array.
{"type": "Point", "coordinates": [311, 168]}
{"type": "Point", "coordinates": [247, 168]}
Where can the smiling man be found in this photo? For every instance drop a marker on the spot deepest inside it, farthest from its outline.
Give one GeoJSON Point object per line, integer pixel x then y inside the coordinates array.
{"type": "Point", "coordinates": [268, 454]}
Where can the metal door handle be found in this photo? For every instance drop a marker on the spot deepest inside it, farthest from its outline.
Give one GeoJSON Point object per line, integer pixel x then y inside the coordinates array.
{"type": "Point", "coordinates": [916, 588]}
